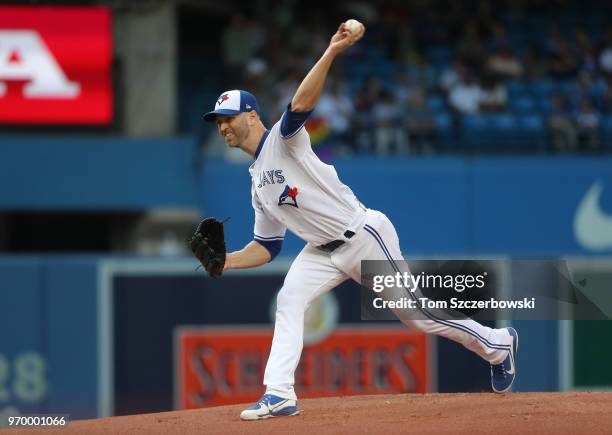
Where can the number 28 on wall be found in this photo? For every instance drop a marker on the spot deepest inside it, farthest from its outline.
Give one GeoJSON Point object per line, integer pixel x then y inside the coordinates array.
{"type": "Point", "coordinates": [23, 380]}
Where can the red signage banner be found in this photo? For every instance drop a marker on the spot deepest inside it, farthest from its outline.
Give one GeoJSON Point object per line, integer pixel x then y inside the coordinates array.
{"type": "Point", "coordinates": [55, 65]}
{"type": "Point", "coordinates": [222, 366]}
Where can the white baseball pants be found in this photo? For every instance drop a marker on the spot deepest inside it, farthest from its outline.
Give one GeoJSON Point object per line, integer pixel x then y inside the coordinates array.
{"type": "Point", "coordinates": [315, 272]}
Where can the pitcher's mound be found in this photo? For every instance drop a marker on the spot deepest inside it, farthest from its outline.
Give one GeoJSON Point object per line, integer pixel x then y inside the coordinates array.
{"type": "Point", "coordinates": [469, 413]}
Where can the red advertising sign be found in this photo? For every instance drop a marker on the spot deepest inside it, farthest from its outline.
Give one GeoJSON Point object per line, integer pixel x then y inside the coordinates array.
{"type": "Point", "coordinates": [221, 366]}
{"type": "Point", "coordinates": [55, 65]}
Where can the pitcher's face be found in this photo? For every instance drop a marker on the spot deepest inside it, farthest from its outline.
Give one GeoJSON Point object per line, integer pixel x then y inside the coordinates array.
{"type": "Point", "coordinates": [233, 129]}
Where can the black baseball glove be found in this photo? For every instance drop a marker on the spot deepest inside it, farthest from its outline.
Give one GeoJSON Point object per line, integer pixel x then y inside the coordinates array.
{"type": "Point", "coordinates": [208, 245]}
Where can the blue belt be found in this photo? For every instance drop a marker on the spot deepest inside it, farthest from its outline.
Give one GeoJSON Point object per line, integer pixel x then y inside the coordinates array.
{"type": "Point", "coordinates": [335, 244]}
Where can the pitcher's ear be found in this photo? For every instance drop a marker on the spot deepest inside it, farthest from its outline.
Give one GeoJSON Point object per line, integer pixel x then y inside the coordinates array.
{"type": "Point", "coordinates": [252, 117]}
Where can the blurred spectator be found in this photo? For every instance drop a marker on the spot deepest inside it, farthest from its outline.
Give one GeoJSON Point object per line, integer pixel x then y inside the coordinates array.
{"type": "Point", "coordinates": [285, 91]}
{"type": "Point", "coordinates": [388, 134]}
{"type": "Point", "coordinates": [498, 39]}
{"type": "Point", "coordinates": [406, 48]}
{"type": "Point", "coordinates": [319, 39]}
{"type": "Point", "coordinates": [563, 63]}
{"type": "Point", "coordinates": [402, 87]}
{"type": "Point", "coordinates": [470, 48]}
{"type": "Point", "coordinates": [363, 119]}
{"type": "Point", "coordinates": [237, 46]}
{"type": "Point", "coordinates": [583, 40]}
{"type": "Point", "coordinates": [578, 92]}
{"type": "Point", "coordinates": [362, 124]}
{"type": "Point", "coordinates": [563, 133]}
{"type": "Point", "coordinates": [373, 89]}
{"type": "Point", "coordinates": [606, 97]}
{"type": "Point", "coordinates": [336, 107]}
{"type": "Point", "coordinates": [553, 41]}
{"type": "Point", "coordinates": [588, 121]}
{"type": "Point", "coordinates": [588, 61]}
{"type": "Point", "coordinates": [605, 57]}
{"type": "Point", "coordinates": [536, 67]}
{"type": "Point", "coordinates": [419, 122]}
{"type": "Point", "coordinates": [465, 96]}
{"type": "Point", "coordinates": [493, 96]}
{"type": "Point", "coordinates": [587, 55]}
{"type": "Point", "coordinates": [452, 75]}
{"type": "Point", "coordinates": [504, 63]}
{"type": "Point", "coordinates": [422, 74]}
{"type": "Point", "coordinates": [257, 35]}
{"type": "Point", "coordinates": [259, 80]}
{"type": "Point", "coordinates": [270, 53]}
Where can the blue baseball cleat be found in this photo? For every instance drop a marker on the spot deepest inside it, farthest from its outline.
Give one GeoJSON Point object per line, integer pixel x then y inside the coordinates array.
{"type": "Point", "coordinates": [502, 375]}
{"type": "Point", "coordinates": [270, 406]}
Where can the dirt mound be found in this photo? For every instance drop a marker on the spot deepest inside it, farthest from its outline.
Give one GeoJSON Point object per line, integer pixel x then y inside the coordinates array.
{"type": "Point", "coordinates": [483, 413]}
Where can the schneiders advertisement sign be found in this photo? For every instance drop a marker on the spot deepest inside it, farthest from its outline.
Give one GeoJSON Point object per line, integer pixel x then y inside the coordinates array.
{"type": "Point", "coordinates": [224, 365]}
{"type": "Point", "coordinates": [55, 65]}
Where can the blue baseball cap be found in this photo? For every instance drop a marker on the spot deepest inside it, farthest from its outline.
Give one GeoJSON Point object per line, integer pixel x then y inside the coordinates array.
{"type": "Point", "coordinates": [233, 103]}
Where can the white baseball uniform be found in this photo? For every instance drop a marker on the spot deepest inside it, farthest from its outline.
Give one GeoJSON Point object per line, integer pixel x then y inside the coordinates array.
{"type": "Point", "coordinates": [293, 189]}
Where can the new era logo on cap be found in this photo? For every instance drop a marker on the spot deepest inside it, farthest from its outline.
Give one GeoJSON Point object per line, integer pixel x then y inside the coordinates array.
{"type": "Point", "coordinates": [233, 103]}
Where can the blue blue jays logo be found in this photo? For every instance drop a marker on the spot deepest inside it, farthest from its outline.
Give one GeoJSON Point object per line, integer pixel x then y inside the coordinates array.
{"type": "Point", "coordinates": [222, 98]}
{"type": "Point", "coordinates": [289, 196]}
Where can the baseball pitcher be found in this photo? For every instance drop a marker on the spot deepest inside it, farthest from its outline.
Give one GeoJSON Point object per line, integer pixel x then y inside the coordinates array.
{"type": "Point", "coordinates": [292, 189]}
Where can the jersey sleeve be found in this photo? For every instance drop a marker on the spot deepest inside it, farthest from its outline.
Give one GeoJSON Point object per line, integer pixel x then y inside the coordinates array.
{"type": "Point", "coordinates": [268, 232]}
{"type": "Point", "coordinates": [292, 132]}
{"type": "Point", "coordinates": [292, 122]}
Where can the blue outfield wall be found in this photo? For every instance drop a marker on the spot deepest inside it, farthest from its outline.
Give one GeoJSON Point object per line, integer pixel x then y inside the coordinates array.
{"type": "Point", "coordinates": [48, 335]}
{"type": "Point", "coordinates": [518, 206]}
{"type": "Point", "coordinates": [522, 206]}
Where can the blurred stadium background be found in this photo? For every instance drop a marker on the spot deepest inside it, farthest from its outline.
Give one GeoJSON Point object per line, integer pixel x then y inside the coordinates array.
{"type": "Point", "coordinates": [481, 128]}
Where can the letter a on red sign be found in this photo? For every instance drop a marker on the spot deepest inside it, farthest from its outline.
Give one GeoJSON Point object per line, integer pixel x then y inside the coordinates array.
{"type": "Point", "coordinates": [55, 65]}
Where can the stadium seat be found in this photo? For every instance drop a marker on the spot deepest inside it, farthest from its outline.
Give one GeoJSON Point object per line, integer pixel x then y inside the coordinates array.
{"type": "Point", "coordinates": [598, 89]}
{"type": "Point", "coordinates": [565, 86]}
{"type": "Point", "coordinates": [439, 55]}
{"type": "Point", "coordinates": [521, 104]}
{"type": "Point", "coordinates": [436, 103]}
{"type": "Point", "coordinates": [384, 69]}
{"type": "Point", "coordinates": [531, 131]}
{"type": "Point", "coordinates": [473, 131]}
{"type": "Point", "coordinates": [502, 130]}
{"type": "Point", "coordinates": [543, 105]}
{"type": "Point", "coordinates": [519, 41]}
{"type": "Point", "coordinates": [503, 120]}
{"type": "Point", "coordinates": [516, 88]}
{"type": "Point", "coordinates": [360, 71]}
{"type": "Point", "coordinates": [444, 128]}
{"type": "Point", "coordinates": [355, 85]}
{"type": "Point", "coordinates": [541, 88]}
{"type": "Point", "coordinates": [607, 132]}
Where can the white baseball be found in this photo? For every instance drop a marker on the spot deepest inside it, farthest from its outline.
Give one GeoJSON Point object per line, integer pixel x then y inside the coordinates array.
{"type": "Point", "coordinates": [353, 26]}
